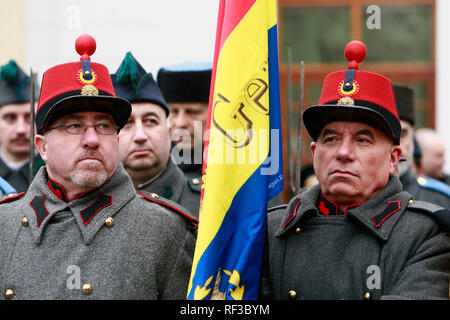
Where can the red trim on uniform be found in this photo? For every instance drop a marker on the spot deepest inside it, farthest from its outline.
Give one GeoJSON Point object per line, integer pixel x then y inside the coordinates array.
{"type": "Point", "coordinates": [294, 214]}
{"type": "Point", "coordinates": [38, 223]}
{"type": "Point", "coordinates": [322, 205]}
{"type": "Point", "coordinates": [331, 202]}
{"type": "Point", "coordinates": [169, 206]}
{"type": "Point", "coordinates": [322, 208]}
{"type": "Point", "coordinates": [353, 205]}
{"type": "Point", "coordinates": [63, 196]}
{"type": "Point", "coordinates": [82, 194]}
{"type": "Point", "coordinates": [7, 199]}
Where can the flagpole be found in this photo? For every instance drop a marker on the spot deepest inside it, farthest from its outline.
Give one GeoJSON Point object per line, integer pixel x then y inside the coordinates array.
{"type": "Point", "coordinates": [32, 132]}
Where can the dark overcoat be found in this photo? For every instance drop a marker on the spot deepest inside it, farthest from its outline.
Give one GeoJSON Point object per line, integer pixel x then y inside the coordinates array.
{"type": "Point", "coordinates": [389, 247]}
{"type": "Point", "coordinates": [110, 243]}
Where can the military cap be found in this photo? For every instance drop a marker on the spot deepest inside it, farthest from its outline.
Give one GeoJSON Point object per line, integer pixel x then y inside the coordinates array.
{"type": "Point", "coordinates": [404, 97]}
{"type": "Point", "coordinates": [353, 89]}
{"type": "Point", "coordinates": [134, 84]}
{"type": "Point", "coordinates": [185, 83]}
{"type": "Point", "coordinates": [79, 86]}
{"type": "Point", "coordinates": [15, 85]}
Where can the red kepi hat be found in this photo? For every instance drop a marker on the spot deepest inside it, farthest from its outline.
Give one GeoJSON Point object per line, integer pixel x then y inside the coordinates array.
{"type": "Point", "coordinates": [369, 95]}
{"type": "Point", "coordinates": [79, 86]}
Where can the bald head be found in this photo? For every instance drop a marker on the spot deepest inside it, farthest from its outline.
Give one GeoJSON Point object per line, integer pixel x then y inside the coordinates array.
{"type": "Point", "coordinates": [433, 152]}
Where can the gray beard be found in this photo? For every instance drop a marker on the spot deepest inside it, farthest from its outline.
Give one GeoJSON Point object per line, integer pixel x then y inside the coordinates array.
{"type": "Point", "coordinates": [90, 177]}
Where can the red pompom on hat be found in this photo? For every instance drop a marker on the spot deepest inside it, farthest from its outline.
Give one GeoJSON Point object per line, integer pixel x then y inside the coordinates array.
{"type": "Point", "coordinates": [79, 86]}
{"type": "Point", "coordinates": [343, 91]}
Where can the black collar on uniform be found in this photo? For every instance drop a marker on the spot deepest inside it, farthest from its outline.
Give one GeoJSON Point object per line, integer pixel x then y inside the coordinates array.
{"type": "Point", "coordinates": [89, 209]}
{"type": "Point", "coordinates": [57, 189]}
{"type": "Point", "coordinates": [379, 214]}
{"type": "Point", "coordinates": [328, 207]}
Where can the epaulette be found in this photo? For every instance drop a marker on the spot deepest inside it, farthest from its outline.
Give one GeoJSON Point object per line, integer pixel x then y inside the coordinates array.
{"type": "Point", "coordinates": [441, 214]}
{"type": "Point", "coordinates": [434, 184]}
{"type": "Point", "coordinates": [278, 207]}
{"type": "Point", "coordinates": [292, 207]}
{"type": "Point", "coordinates": [195, 184]}
{"type": "Point", "coordinates": [12, 196]}
{"type": "Point", "coordinates": [172, 205]}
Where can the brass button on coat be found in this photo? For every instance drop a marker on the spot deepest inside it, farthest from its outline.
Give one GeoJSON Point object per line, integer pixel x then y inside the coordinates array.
{"type": "Point", "coordinates": [87, 288]}
{"type": "Point", "coordinates": [9, 294]}
{"type": "Point", "coordinates": [367, 296]}
{"type": "Point", "coordinates": [298, 230]}
{"type": "Point", "coordinates": [25, 222]}
{"type": "Point", "coordinates": [109, 222]}
{"type": "Point", "coordinates": [292, 294]}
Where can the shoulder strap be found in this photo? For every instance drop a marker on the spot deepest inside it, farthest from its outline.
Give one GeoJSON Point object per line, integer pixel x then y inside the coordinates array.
{"type": "Point", "coordinates": [12, 196]}
{"type": "Point", "coordinates": [441, 214]}
{"type": "Point", "coordinates": [172, 205]}
{"type": "Point", "coordinates": [195, 184]}
{"type": "Point", "coordinates": [278, 207]}
{"type": "Point", "coordinates": [434, 184]}
{"type": "Point", "coordinates": [6, 187]}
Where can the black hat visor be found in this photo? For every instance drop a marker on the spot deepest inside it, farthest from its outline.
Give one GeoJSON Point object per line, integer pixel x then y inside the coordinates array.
{"type": "Point", "coordinates": [118, 108]}
{"type": "Point", "coordinates": [316, 117]}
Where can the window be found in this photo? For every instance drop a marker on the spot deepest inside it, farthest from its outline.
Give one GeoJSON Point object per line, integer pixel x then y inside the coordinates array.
{"type": "Point", "coordinates": [316, 32]}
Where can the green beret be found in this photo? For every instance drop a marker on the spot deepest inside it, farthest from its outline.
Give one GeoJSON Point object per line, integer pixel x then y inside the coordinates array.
{"type": "Point", "coordinates": [134, 84]}
{"type": "Point", "coordinates": [15, 84]}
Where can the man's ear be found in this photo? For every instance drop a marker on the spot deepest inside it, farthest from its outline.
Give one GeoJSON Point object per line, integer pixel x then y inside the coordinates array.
{"type": "Point", "coordinates": [41, 144]}
{"type": "Point", "coordinates": [396, 152]}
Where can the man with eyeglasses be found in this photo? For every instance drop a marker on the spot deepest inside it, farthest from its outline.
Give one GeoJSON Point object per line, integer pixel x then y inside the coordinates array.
{"type": "Point", "coordinates": [82, 231]}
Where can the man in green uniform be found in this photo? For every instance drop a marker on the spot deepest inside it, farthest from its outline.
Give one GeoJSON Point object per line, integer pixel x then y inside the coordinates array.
{"type": "Point", "coordinates": [144, 142]}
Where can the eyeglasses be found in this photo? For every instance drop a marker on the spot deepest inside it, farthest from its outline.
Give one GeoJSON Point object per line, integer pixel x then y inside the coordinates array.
{"type": "Point", "coordinates": [103, 128]}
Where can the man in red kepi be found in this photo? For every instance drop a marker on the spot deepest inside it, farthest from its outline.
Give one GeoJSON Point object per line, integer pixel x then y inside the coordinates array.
{"type": "Point", "coordinates": [357, 235]}
{"type": "Point", "coordinates": [81, 231]}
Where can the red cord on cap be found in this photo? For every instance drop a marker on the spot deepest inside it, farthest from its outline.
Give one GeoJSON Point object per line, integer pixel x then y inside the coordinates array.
{"type": "Point", "coordinates": [355, 52]}
{"type": "Point", "coordinates": [85, 46]}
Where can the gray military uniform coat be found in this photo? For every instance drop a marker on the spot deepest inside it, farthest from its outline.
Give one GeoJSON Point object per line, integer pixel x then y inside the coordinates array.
{"type": "Point", "coordinates": [421, 192]}
{"type": "Point", "coordinates": [385, 248]}
{"type": "Point", "coordinates": [172, 184]}
{"type": "Point", "coordinates": [111, 243]}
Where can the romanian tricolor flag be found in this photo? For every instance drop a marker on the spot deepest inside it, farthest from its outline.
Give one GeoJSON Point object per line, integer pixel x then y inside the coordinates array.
{"type": "Point", "coordinates": [243, 167]}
